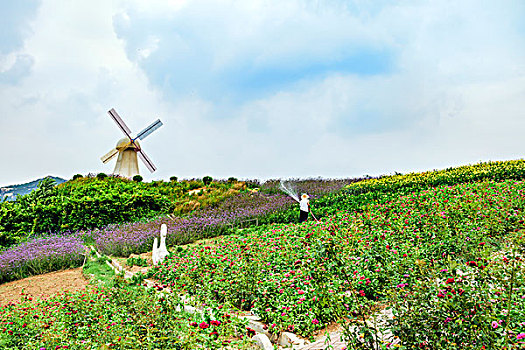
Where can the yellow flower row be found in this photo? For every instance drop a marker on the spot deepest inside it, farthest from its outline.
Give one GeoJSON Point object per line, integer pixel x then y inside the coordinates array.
{"type": "Point", "coordinates": [496, 171]}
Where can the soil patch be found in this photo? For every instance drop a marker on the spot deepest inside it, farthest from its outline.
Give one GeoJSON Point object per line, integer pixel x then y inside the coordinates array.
{"type": "Point", "coordinates": [43, 285]}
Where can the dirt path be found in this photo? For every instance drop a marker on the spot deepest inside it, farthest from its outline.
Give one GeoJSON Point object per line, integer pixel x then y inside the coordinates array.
{"type": "Point", "coordinates": [43, 285]}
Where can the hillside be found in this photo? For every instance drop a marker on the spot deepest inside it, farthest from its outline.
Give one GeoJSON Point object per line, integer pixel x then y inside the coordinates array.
{"type": "Point", "coordinates": [96, 201]}
{"type": "Point", "coordinates": [432, 260]}
{"type": "Point", "coordinates": [11, 192]}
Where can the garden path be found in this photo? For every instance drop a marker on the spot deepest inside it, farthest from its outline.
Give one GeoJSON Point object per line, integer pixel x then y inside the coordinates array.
{"type": "Point", "coordinates": [43, 285]}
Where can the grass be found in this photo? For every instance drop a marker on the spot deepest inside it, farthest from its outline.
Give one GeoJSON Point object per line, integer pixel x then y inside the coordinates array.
{"type": "Point", "coordinates": [97, 270]}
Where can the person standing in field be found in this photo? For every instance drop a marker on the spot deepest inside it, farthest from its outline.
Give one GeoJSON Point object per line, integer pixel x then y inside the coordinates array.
{"type": "Point", "coordinates": [304, 206]}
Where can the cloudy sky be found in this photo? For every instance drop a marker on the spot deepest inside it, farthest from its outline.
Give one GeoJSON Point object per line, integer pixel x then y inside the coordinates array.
{"type": "Point", "coordinates": [261, 88]}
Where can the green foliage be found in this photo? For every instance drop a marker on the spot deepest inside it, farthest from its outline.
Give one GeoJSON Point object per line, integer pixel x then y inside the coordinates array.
{"type": "Point", "coordinates": [232, 179]}
{"type": "Point", "coordinates": [173, 179]}
{"type": "Point", "coordinates": [138, 178]}
{"type": "Point", "coordinates": [88, 203]}
{"type": "Point", "coordinates": [77, 176]}
{"type": "Point", "coordinates": [192, 184]}
{"type": "Point", "coordinates": [81, 204]}
{"type": "Point", "coordinates": [136, 261]}
{"type": "Point", "coordinates": [207, 180]}
{"type": "Point", "coordinates": [101, 176]}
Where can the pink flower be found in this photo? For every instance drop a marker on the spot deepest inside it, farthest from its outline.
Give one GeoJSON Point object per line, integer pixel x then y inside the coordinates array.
{"type": "Point", "coordinates": [315, 321]}
{"type": "Point", "coordinates": [520, 336]}
{"type": "Point", "coordinates": [495, 324]}
{"type": "Point", "coordinates": [204, 325]}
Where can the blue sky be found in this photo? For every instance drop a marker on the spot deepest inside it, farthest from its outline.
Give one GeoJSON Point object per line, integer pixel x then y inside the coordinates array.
{"type": "Point", "coordinates": [261, 89]}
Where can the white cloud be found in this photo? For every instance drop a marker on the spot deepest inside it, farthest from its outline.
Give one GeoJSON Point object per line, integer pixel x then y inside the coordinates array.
{"type": "Point", "coordinates": [454, 92]}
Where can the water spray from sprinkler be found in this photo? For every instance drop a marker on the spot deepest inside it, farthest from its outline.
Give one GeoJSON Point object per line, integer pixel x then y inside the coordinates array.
{"type": "Point", "coordinates": [289, 189]}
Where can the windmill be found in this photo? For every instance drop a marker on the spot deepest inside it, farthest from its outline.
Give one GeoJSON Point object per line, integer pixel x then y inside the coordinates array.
{"type": "Point", "coordinates": [127, 148]}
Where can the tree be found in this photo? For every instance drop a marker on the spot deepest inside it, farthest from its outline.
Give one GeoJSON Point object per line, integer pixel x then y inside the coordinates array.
{"type": "Point", "coordinates": [137, 178]}
{"type": "Point", "coordinates": [207, 180]}
{"type": "Point", "coordinates": [45, 187]}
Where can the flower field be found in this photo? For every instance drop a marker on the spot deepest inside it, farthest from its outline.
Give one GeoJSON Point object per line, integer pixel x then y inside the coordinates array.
{"type": "Point", "coordinates": [115, 318]}
{"type": "Point", "coordinates": [438, 247]}
{"type": "Point", "coordinates": [491, 171]}
{"type": "Point", "coordinates": [41, 256]}
{"type": "Point", "coordinates": [267, 207]}
{"type": "Point", "coordinates": [443, 251]}
{"type": "Point", "coordinates": [137, 237]}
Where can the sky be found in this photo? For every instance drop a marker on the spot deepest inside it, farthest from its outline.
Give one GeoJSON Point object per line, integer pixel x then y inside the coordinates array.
{"type": "Point", "coordinates": [261, 88]}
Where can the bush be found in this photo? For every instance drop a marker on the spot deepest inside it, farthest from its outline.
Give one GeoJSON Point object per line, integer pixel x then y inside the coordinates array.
{"type": "Point", "coordinates": [136, 261]}
{"type": "Point", "coordinates": [173, 179]}
{"type": "Point", "coordinates": [101, 176]}
{"type": "Point", "coordinates": [137, 178]}
{"type": "Point", "coordinates": [77, 176]}
{"type": "Point", "coordinates": [207, 180]}
{"type": "Point", "coordinates": [232, 179]}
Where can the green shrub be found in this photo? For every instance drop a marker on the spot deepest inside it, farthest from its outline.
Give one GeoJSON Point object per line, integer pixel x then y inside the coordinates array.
{"type": "Point", "coordinates": [101, 176]}
{"type": "Point", "coordinates": [136, 261]}
{"type": "Point", "coordinates": [207, 180]}
{"type": "Point", "coordinates": [173, 179]}
{"type": "Point", "coordinates": [77, 176]}
{"type": "Point", "coordinates": [137, 178]}
{"type": "Point", "coordinates": [193, 184]}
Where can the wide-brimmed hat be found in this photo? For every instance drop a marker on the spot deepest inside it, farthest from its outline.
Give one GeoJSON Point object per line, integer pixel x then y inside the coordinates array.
{"type": "Point", "coordinates": [304, 195]}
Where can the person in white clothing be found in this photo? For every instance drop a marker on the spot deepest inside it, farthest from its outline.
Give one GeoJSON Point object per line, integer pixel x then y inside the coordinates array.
{"type": "Point", "coordinates": [304, 206]}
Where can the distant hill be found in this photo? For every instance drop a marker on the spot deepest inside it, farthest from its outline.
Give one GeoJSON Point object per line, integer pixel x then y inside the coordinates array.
{"type": "Point", "coordinates": [10, 192]}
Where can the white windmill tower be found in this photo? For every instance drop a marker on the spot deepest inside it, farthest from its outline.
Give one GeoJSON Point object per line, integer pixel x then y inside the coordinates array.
{"type": "Point", "coordinates": [127, 148]}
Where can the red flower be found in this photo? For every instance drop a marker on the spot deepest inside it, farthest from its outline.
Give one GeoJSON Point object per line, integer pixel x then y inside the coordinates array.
{"type": "Point", "coordinates": [362, 293]}
{"type": "Point", "coordinates": [204, 325]}
{"type": "Point", "coordinates": [450, 280]}
{"type": "Point", "coordinates": [250, 332]}
{"type": "Point", "coordinates": [215, 323]}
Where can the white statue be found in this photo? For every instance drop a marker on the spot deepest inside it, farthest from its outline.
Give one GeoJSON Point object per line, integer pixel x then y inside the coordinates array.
{"type": "Point", "coordinates": [161, 252]}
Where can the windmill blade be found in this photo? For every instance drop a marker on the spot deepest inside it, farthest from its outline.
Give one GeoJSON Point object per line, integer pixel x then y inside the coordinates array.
{"type": "Point", "coordinates": [105, 158]}
{"type": "Point", "coordinates": [113, 114]}
{"type": "Point", "coordinates": [149, 164]}
{"type": "Point", "coordinates": [147, 131]}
